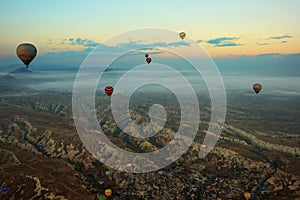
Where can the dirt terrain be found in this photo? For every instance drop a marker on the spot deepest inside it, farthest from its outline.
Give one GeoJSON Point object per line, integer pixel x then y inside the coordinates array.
{"type": "Point", "coordinates": [42, 156]}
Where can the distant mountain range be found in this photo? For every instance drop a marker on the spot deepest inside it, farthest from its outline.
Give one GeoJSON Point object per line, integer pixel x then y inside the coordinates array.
{"type": "Point", "coordinates": [15, 79]}
{"type": "Point", "coordinates": [20, 70]}
{"type": "Point", "coordinates": [17, 68]}
{"type": "Point", "coordinates": [260, 66]}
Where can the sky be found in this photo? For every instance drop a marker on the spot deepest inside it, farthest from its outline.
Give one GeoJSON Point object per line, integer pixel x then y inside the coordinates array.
{"type": "Point", "coordinates": [66, 30]}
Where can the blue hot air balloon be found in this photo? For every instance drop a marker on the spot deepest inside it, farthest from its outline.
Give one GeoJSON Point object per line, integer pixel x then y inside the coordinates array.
{"type": "Point", "coordinates": [214, 176]}
{"type": "Point", "coordinates": [101, 181]}
{"type": "Point", "coordinates": [4, 190]}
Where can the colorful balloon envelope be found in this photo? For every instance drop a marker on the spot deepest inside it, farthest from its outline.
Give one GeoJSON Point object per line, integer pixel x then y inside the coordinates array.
{"type": "Point", "coordinates": [214, 176]}
{"type": "Point", "coordinates": [26, 52]}
{"type": "Point", "coordinates": [257, 87]}
{"type": "Point", "coordinates": [182, 35]}
{"type": "Point", "coordinates": [109, 90]}
{"type": "Point", "coordinates": [107, 173]}
{"type": "Point", "coordinates": [129, 166]}
{"type": "Point", "coordinates": [102, 160]}
{"type": "Point", "coordinates": [102, 197]}
{"type": "Point", "coordinates": [108, 192]}
{"type": "Point", "coordinates": [148, 60]}
{"type": "Point", "coordinates": [101, 181]}
{"type": "Point", "coordinates": [160, 172]}
{"type": "Point", "coordinates": [4, 190]}
{"type": "Point", "coordinates": [247, 195]}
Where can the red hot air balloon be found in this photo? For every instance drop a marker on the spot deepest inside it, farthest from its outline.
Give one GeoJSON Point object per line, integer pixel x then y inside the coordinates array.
{"type": "Point", "coordinates": [26, 52]}
{"type": "Point", "coordinates": [257, 87]}
{"type": "Point", "coordinates": [109, 90]}
{"type": "Point", "coordinates": [146, 55]}
{"type": "Point", "coordinates": [148, 60]}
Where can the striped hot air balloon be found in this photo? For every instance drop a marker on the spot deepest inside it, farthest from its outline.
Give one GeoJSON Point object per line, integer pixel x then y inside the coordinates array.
{"type": "Point", "coordinates": [26, 52]}
{"type": "Point", "coordinates": [109, 90]}
{"type": "Point", "coordinates": [182, 35]}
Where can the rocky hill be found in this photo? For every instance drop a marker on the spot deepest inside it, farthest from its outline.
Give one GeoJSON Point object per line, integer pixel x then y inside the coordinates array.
{"type": "Point", "coordinates": [42, 157]}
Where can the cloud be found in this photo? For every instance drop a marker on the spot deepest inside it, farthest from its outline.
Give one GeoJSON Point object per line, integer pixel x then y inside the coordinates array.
{"type": "Point", "coordinates": [63, 41]}
{"type": "Point", "coordinates": [262, 44]}
{"type": "Point", "coordinates": [137, 45]}
{"type": "Point", "coordinates": [83, 42]}
{"type": "Point", "coordinates": [80, 42]}
{"type": "Point", "coordinates": [135, 53]}
{"type": "Point", "coordinates": [220, 40]}
{"type": "Point", "coordinates": [268, 55]}
{"type": "Point", "coordinates": [228, 45]}
{"type": "Point", "coordinates": [75, 57]}
{"type": "Point", "coordinates": [280, 37]}
{"type": "Point", "coordinates": [224, 42]}
{"type": "Point", "coordinates": [49, 41]}
{"type": "Point", "coordinates": [128, 45]}
{"type": "Point", "coordinates": [199, 41]}
{"type": "Point", "coordinates": [70, 53]}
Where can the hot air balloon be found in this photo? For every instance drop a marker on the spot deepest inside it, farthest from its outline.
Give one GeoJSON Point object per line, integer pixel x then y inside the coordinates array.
{"type": "Point", "coordinates": [257, 87]}
{"type": "Point", "coordinates": [100, 181]}
{"type": "Point", "coordinates": [102, 160]}
{"type": "Point", "coordinates": [102, 197]}
{"type": "Point", "coordinates": [247, 195]}
{"type": "Point", "coordinates": [109, 90]}
{"type": "Point", "coordinates": [182, 35]}
{"type": "Point", "coordinates": [148, 60]}
{"type": "Point", "coordinates": [146, 55]}
{"type": "Point", "coordinates": [108, 192]}
{"type": "Point", "coordinates": [26, 52]}
{"type": "Point", "coordinates": [160, 172]}
{"type": "Point", "coordinates": [129, 166]}
{"type": "Point", "coordinates": [214, 176]}
{"type": "Point", "coordinates": [4, 190]}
